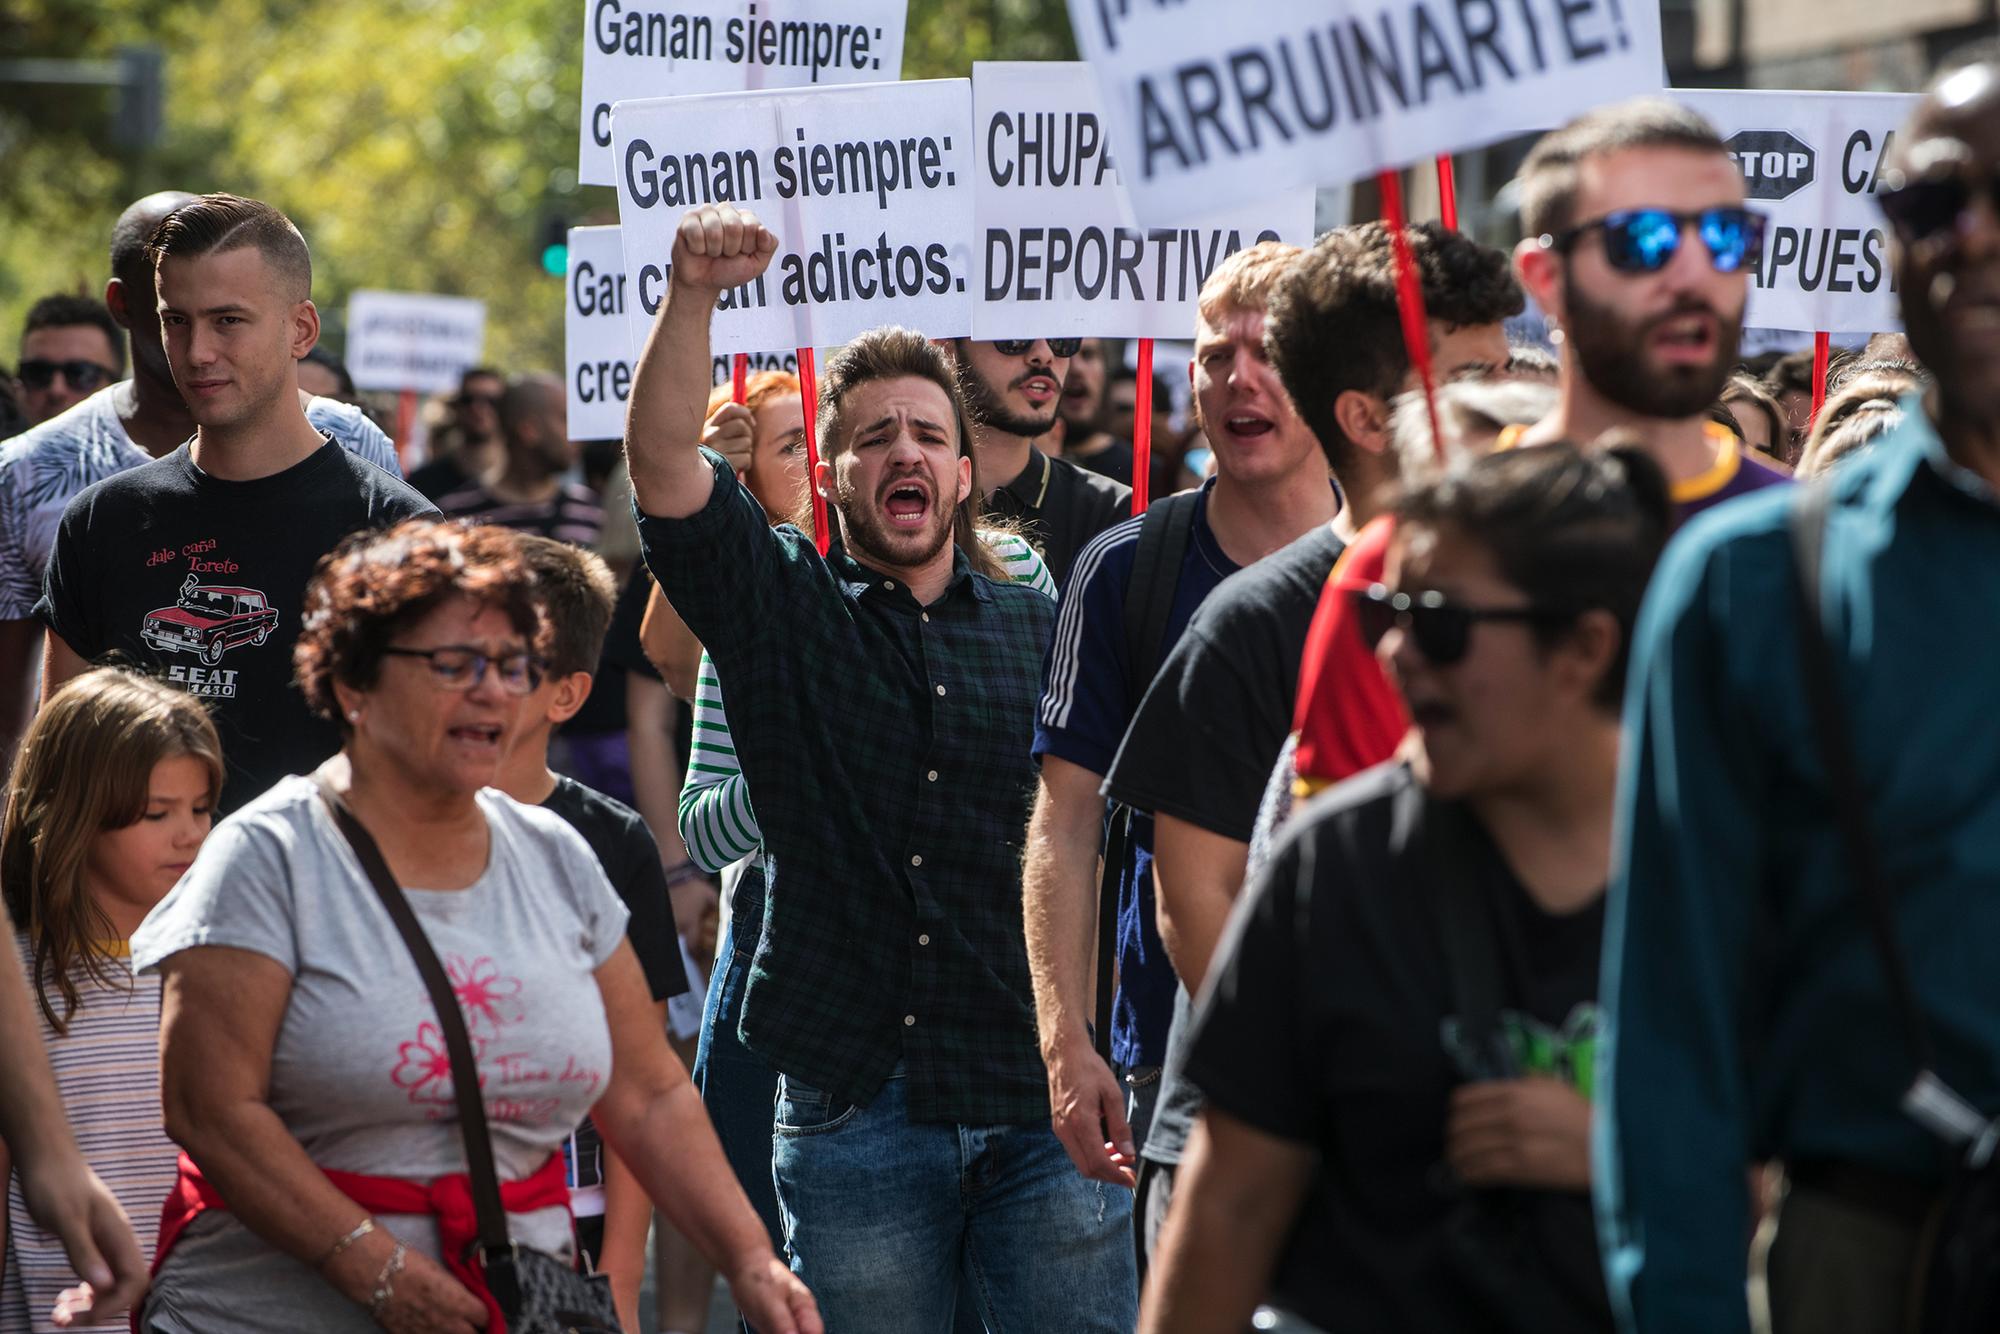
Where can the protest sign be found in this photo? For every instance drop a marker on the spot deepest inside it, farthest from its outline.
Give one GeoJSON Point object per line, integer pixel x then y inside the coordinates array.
{"type": "Point", "coordinates": [597, 338]}
{"type": "Point", "coordinates": [1058, 251]}
{"type": "Point", "coordinates": [411, 340]}
{"type": "Point", "coordinates": [868, 188]}
{"type": "Point", "coordinates": [1218, 100]}
{"type": "Point", "coordinates": [669, 48]}
{"type": "Point", "coordinates": [1812, 162]}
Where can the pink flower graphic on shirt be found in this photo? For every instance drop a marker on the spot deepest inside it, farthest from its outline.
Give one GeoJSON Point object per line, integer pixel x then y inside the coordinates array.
{"type": "Point", "coordinates": [423, 1067]}
{"type": "Point", "coordinates": [490, 1001]}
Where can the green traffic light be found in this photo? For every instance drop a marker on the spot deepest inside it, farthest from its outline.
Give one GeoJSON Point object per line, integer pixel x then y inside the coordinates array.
{"type": "Point", "coordinates": [555, 260]}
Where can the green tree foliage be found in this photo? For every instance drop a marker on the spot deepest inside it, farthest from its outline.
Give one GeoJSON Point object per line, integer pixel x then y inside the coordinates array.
{"type": "Point", "coordinates": [417, 143]}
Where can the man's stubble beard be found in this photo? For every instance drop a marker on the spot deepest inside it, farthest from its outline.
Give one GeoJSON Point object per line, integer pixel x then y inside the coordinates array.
{"type": "Point", "coordinates": [1611, 354]}
{"type": "Point", "coordinates": [989, 409]}
{"type": "Point", "coordinates": [868, 535]}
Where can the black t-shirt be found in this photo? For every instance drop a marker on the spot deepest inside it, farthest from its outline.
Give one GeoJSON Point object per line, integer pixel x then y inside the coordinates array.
{"type": "Point", "coordinates": [1202, 744]}
{"type": "Point", "coordinates": [1061, 507]}
{"type": "Point", "coordinates": [1331, 1023]}
{"type": "Point", "coordinates": [631, 862]}
{"type": "Point", "coordinates": [202, 581]}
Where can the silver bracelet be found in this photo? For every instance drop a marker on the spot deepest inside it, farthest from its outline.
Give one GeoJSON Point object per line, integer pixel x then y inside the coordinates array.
{"type": "Point", "coordinates": [385, 1282]}
{"type": "Point", "coordinates": [361, 1229]}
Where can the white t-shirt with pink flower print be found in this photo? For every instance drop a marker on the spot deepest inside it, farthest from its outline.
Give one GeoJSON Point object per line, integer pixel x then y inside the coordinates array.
{"type": "Point", "coordinates": [360, 1075]}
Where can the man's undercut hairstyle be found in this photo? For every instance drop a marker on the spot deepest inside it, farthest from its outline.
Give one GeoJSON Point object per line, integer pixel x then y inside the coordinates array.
{"type": "Point", "coordinates": [1333, 323]}
{"type": "Point", "coordinates": [577, 594]}
{"type": "Point", "coordinates": [132, 234]}
{"type": "Point", "coordinates": [213, 224]}
{"type": "Point", "coordinates": [1245, 280]}
{"type": "Point", "coordinates": [1549, 177]}
{"type": "Point", "coordinates": [66, 310]}
{"type": "Point", "coordinates": [525, 397]}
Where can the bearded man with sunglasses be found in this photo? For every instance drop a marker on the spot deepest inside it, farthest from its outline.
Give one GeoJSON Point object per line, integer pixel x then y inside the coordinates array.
{"type": "Point", "coordinates": [1014, 388]}
{"type": "Point", "coordinates": [1638, 247]}
{"type": "Point", "coordinates": [1750, 1006]}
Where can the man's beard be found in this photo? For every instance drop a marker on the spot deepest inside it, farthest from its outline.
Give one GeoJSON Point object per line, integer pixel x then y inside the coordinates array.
{"type": "Point", "coordinates": [1612, 353]}
{"type": "Point", "coordinates": [869, 534]}
{"type": "Point", "coordinates": [990, 409]}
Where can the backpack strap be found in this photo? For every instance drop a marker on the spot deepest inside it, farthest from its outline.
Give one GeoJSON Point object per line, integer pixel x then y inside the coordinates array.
{"type": "Point", "coordinates": [1164, 534]}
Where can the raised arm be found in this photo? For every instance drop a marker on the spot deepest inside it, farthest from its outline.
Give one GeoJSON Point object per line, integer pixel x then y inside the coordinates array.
{"type": "Point", "coordinates": [718, 246]}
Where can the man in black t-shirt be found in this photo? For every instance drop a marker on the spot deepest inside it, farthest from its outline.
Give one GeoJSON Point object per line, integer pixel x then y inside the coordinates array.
{"type": "Point", "coordinates": [1012, 388]}
{"type": "Point", "coordinates": [526, 488]}
{"type": "Point", "coordinates": [195, 565]}
{"type": "Point", "coordinates": [1081, 431]}
{"type": "Point", "coordinates": [1204, 740]}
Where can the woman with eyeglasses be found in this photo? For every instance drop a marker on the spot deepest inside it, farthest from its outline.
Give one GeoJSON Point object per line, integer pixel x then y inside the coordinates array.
{"type": "Point", "coordinates": [1398, 1037]}
{"type": "Point", "coordinates": [323, 1185]}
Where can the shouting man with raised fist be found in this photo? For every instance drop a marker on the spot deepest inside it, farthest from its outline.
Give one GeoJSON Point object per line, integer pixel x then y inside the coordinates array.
{"type": "Point", "coordinates": [882, 699]}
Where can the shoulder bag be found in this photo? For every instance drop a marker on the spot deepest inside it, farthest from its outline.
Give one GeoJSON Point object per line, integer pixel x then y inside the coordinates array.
{"type": "Point", "coordinates": [538, 1293]}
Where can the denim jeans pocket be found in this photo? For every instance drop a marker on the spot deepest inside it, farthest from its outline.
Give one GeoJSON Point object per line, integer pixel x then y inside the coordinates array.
{"type": "Point", "coordinates": [805, 1110]}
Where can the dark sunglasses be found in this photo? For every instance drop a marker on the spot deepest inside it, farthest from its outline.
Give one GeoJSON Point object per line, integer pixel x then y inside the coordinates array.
{"type": "Point", "coordinates": [467, 400]}
{"type": "Point", "coordinates": [1441, 630]}
{"type": "Point", "coordinates": [1645, 240]}
{"type": "Point", "coordinates": [82, 376]}
{"type": "Point", "coordinates": [1920, 210]}
{"type": "Point", "coordinates": [1019, 347]}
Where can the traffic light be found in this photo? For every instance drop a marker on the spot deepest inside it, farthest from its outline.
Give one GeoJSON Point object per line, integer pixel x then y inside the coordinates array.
{"type": "Point", "coordinates": [553, 247]}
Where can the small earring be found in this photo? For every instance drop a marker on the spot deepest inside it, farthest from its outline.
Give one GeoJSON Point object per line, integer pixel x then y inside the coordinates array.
{"type": "Point", "coordinates": [1555, 335]}
{"type": "Point", "coordinates": [354, 715]}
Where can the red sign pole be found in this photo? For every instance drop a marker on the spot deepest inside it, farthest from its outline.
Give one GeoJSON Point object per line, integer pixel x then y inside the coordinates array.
{"type": "Point", "coordinates": [1142, 429]}
{"type": "Point", "coordinates": [1447, 192]}
{"type": "Point", "coordinates": [1410, 298]}
{"type": "Point", "coordinates": [809, 391]}
{"type": "Point", "coordinates": [739, 377]}
{"type": "Point", "coordinates": [406, 419]}
{"type": "Point", "coordinates": [1822, 354]}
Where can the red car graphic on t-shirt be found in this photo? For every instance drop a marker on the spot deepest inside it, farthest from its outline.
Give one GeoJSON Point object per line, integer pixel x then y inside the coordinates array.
{"type": "Point", "coordinates": [210, 619]}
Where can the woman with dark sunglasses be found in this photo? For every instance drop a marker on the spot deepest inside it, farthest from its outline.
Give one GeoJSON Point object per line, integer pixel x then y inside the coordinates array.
{"type": "Point", "coordinates": [1398, 1038]}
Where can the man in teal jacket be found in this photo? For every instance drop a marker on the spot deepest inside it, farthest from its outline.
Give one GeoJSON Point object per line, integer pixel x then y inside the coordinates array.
{"type": "Point", "coordinates": [1749, 1018]}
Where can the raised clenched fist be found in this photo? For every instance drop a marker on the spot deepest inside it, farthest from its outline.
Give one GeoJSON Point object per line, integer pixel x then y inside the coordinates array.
{"type": "Point", "coordinates": [720, 246]}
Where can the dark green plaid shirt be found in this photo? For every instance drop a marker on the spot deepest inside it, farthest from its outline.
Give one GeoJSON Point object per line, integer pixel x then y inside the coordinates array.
{"type": "Point", "coordinates": [887, 747]}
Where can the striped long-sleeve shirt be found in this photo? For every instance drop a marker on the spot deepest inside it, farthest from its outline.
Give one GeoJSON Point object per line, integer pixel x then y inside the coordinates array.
{"type": "Point", "coordinates": [717, 822]}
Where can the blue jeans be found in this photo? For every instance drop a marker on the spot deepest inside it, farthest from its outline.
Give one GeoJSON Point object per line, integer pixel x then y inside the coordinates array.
{"type": "Point", "coordinates": [736, 1085]}
{"type": "Point", "coordinates": [887, 1221]}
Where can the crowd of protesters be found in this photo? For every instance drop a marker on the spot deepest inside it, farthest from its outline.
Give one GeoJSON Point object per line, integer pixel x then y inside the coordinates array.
{"type": "Point", "coordinates": [1494, 846]}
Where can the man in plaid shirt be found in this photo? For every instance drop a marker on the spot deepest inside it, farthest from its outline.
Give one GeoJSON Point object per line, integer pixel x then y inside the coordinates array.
{"type": "Point", "coordinates": [882, 701]}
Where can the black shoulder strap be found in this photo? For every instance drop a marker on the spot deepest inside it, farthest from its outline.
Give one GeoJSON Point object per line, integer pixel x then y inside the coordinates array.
{"type": "Point", "coordinates": [1809, 519]}
{"type": "Point", "coordinates": [451, 1022]}
{"type": "Point", "coordinates": [1164, 535]}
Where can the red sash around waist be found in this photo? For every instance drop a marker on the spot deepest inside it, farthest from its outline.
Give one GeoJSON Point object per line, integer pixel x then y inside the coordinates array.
{"type": "Point", "coordinates": [446, 1198]}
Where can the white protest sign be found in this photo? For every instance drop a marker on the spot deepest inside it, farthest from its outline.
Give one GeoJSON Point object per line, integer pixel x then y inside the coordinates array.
{"type": "Point", "coordinates": [1812, 162]}
{"type": "Point", "coordinates": [412, 340]}
{"type": "Point", "coordinates": [596, 335]}
{"type": "Point", "coordinates": [670, 48]}
{"type": "Point", "coordinates": [869, 189]}
{"type": "Point", "coordinates": [1218, 100]}
{"type": "Point", "coordinates": [1057, 249]}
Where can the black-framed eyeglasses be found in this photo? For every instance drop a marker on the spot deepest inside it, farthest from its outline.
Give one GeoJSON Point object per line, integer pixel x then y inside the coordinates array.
{"type": "Point", "coordinates": [1020, 347]}
{"type": "Point", "coordinates": [1441, 629]}
{"type": "Point", "coordinates": [83, 376]}
{"type": "Point", "coordinates": [461, 667]}
{"type": "Point", "coordinates": [1645, 240]}
{"type": "Point", "coordinates": [1922, 209]}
